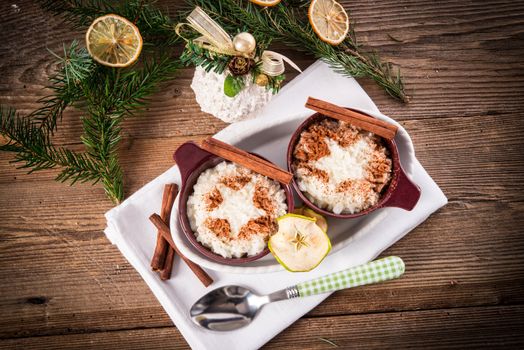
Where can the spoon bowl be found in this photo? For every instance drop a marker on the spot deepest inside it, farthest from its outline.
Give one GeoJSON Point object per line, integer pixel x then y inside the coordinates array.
{"type": "Point", "coordinates": [227, 308]}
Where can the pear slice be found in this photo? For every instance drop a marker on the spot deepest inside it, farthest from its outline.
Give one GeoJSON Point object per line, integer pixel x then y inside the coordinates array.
{"type": "Point", "coordinates": [300, 244]}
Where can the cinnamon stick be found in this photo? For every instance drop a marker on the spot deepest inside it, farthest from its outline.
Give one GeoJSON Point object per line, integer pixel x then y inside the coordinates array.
{"type": "Point", "coordinates": [246, 159]}
{"type": "Point", "coordinates": [165, 273]}
{"type": "Point", "coordinates": [166, 233]}
{"type": "Point", "coordinates": [158, 262]}
{"type": "Point", "coordinates": [365, 122]}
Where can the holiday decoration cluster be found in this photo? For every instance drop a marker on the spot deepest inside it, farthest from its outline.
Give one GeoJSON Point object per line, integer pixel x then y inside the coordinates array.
{"type": "Point", "coordinates": [109, 84]}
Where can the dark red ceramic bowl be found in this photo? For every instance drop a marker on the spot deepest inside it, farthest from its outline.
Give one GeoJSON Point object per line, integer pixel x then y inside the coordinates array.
{"type": "Point", "coordinates": [192, 161]}
{"type": "Point", "coordinates": [401, 191]}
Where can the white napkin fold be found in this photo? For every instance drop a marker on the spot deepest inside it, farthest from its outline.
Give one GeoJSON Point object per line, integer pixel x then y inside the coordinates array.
{"type": "Point", "coordinates": [129, 229]}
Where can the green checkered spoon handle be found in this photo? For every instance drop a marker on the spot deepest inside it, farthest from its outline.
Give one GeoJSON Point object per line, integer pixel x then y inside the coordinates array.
{"type": "Point", "coordinates": [232, 307]}
{"type": "Point", "coordinates": [372, 272]}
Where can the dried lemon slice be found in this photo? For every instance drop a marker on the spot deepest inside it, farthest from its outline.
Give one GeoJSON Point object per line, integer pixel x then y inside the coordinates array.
{"type": "Point", "coordinates": [329, 21]}
{"type": "Point", "coordinates": [113, 41]}
{"type": "Point", "coordinates": [300, 244]}
{"type": "Point", "coordinates": [266, 2]}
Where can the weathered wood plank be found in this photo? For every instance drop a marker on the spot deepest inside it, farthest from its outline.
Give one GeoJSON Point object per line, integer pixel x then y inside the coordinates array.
{"type": "Point", "coordinates": [449, 52]}
{"type": "Point", "coordinates": [478, 328]}
{"type": "Point", "coordinates": [462, 65]}
{"type": "Point", "coordinates": [488, 328]}
{"type": "Point", "coordinates": [459, 257]}
{"type": "Point", "coordinates": [67, 207]}
{"type": "Point", "coordinates": [463, 163]}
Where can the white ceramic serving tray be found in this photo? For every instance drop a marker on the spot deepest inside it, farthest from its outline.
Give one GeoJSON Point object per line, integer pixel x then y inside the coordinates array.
{"type": "Point", "coordinates": [269, 135]}
{"type": "Point", "coordinates": [271, 142]}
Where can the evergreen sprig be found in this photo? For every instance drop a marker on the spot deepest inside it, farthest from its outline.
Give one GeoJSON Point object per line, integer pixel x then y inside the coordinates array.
{"type": "Point", "coordinates": [155, 26]}
{"type": "Point", "coordinates": [106, 96]}
{"type": "Point", "coordinates": [75, 67]}
{"type": "Point", "coordinates": [196, 55]}
{"type": "Point", "coordinates": [34, 150]}
{"type": "Point", "coordinates": [287, 23]}
{"type": "Point", "coordinates": [78, 13]}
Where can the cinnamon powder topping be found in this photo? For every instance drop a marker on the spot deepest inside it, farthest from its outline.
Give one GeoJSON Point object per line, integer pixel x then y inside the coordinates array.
{"type": "Point", "coordinates": [264, 225]}
{"type": "Point", "coordinates": [379, 168]}
{"type": "Point", "coordinates": [236, 182]}
{"type": "Point", "coordinates": [262, 200]}
{"type": "Point", "coordinates": [220, 227]}
{"type": "Point", "coordinates": [319, 173]}
{"type": "Point", "coordinates": [357, 186]}
{"type": "Point", "coordinates": [345, 186]}
{"type": "Point", "coordinates": [312, 145]}
{"type": "Point", "coordinates": [367, 172]}
{"type": "Point", "coordinates": [213, 199]}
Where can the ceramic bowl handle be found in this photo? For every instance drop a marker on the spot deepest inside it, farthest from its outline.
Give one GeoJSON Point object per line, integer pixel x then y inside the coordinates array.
{"type": "Point", "coordinates": [188, 156]}
{"type": "Point", "coordinates": [405, 195]}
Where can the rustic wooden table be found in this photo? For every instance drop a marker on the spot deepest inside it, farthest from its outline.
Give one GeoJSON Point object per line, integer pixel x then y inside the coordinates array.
{"type": "Point", "coordinates": [63, 285]}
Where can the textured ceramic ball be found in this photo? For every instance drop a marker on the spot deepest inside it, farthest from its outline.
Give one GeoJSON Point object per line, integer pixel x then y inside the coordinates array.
{"type": "Point", "coordinates": [244, 42]}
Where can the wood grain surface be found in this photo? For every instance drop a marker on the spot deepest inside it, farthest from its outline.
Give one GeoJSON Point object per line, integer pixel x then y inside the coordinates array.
{"type": "Point", "coordinates": [63, 285]}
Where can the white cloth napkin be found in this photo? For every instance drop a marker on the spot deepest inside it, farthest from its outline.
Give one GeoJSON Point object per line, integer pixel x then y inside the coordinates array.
{"type": "Point", "coordinates": [129, 228]}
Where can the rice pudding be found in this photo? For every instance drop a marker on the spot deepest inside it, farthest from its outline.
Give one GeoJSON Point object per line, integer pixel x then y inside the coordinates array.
{"type": "Point", "coordinates": [233, 210]}
{"type": "Point", "coordinates": [341, 168]}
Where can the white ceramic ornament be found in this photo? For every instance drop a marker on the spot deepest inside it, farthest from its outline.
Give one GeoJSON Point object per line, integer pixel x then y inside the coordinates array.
{"type": "Point", "coordinates": [209, 93]}
{"type": "Point", "coordinates": [244, 42]}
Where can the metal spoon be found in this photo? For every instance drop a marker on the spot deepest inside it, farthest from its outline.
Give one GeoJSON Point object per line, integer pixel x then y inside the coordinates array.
{"type": "Point", "coordinates": [232, 307]}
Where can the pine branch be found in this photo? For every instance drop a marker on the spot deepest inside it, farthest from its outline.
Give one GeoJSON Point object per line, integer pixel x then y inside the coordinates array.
{"type": "Point", "coordinates": [101, 137]}
{"type": "Point", "coordinates": [155, 26]}
{"type": "Point", "coordinates": [289, 25]}
{"type": "Point", "coordinates": [111, 96]}
{"type": "Point", "coordinates": [34, 150]}
{"type": "Point", "coordinates": [79, 13]}
{"type": "Point", "coordinates": [137, 84]}
{"type": "Point", "coordinates": [74, 68]}
{"type": "Point", "coordinates": [108, 95]}
{"type": "Point", "coordinates": [196, 55]}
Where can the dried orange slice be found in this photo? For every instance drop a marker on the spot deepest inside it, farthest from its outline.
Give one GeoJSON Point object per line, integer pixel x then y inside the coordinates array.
{"type": "Point", "coordinates": [329, 20]}
{"type": "Point", "coordinates": [113, 41]}
{"type": "Point", "coordinates": [266, 2]}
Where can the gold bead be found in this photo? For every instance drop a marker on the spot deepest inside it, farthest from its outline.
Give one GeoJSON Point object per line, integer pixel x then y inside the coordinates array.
{"type": "Point", "coordinates": [244, 42]}
{"type": "Point", "coordinates": [262, 80]}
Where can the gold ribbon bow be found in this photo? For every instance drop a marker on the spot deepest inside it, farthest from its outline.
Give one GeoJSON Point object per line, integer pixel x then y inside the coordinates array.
{"type": "Point", "coordinates": [215, 38]}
